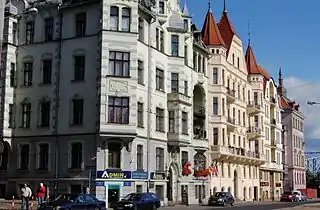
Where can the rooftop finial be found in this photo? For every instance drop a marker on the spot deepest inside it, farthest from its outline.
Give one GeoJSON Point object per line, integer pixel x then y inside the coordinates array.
{"type": "Point", "coordinates": [280, 77]}
{"type": "Point", "coordinates": [209, 4]}
{"type": "Point", "coordinates": [249, 33]}
{"type": "Point", "coordinates": [224, 6]}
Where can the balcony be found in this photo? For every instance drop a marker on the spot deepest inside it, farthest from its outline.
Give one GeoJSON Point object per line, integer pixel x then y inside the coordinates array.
{"type": "Point", "coordinates": [178, 139]}
{"type": "Point", "coordinates": [231, 95]}
{"type": "Point", "coordinates": [273, 101]}
{"type": "Point", "coordinates": [199, 112]}
{"type": "Point", "coordinates": [273, 143]}
{"type": "Point", "coordinates": [236, 155]}
{"type": "Point", "coordinates": [231, 124]}
{"type": "Point", "coordinates": [179, 98]}
{"type": "Point", "coordinates": [254, 132]}
{"type": "Point", "coordinates": [254, 108]}
{"type": "Point", "coordinates": [200, 140]}
{"type": "Point", "coordinates": [273, 122]}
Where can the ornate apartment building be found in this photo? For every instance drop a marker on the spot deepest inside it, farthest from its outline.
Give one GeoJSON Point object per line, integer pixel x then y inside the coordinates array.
{"type": "Point", "coordinates": [112, 94]}
{"type": "Point", "coordinates": [266, 102]}
{"type": "Point", "coordinates": [294, 143]}
{"type": "Point", "coordinates": [235, 133]}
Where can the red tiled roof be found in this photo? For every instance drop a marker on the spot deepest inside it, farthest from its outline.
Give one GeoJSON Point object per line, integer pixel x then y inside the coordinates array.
{"type": "Point", "coordinates": [252, 66]}
{"type": "Point", "coordinates": [210, 31]}
{"type": "Point", "coordinates": [226, 29]}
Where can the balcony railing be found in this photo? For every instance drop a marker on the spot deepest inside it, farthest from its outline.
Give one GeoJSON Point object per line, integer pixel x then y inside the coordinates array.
{"type": "Point", "coordinates": [231, 92]}
{"type": "Point", "coordinates": [199, 133]}
{"type": "Point", "coordinates": [255, 104]}
{"type": "Point", "coordinates": [273, 121]}
{"type": "Point", "coordinates": [231, 120]}
{"type": "Point", "coordinates": [244, 152]}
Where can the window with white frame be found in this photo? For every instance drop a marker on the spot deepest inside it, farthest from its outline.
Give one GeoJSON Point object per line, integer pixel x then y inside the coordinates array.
{"type": "Point", "coordinates": [43, 156]}
{"type": "Point", "coordinates": [114, 155]}
{"type": "Point", "coordinates": [76, 155]}
{"type": "Point", "coordinates": [185, 123]}
{"type": "Point", "coordinates": [24, 156]}
{"type": "Point", "coordinates": [27, 73]}
{"type": "Point", "coordinates": [126, 19]}
{"type": "Point", "coordinates": [140, 120]}
{"type": "Point", "coordinates": [139, 157]}
{"type": "Point", "coordinates": [171, 122]}
{"type": "Point", "coordinates": [141, 30]}
{"type": "Point", "coordinates": [159, 159]}
{"type": "Point", "coordinates": [26, 114]}
{"type": "Point", "coordinates": [114, 18]}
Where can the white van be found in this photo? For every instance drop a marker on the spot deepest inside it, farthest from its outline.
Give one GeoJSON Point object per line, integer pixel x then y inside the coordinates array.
{"type": "Point", "coordinates": [298, 195]}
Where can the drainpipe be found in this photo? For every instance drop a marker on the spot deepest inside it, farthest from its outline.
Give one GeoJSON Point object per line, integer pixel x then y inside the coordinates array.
{"type": "Point", "coordinates": [57, 101]}
{"type": "Point", "coordinates": [149, 99]}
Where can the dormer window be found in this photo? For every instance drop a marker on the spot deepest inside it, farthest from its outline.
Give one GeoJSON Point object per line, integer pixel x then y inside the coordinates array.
{"type": "Point", "coordinates": [185, 24]}
{"type": "Point", "coordinates": [161, 7]}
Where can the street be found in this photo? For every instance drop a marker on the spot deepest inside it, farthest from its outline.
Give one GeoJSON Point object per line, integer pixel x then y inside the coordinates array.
{"type": "Point", "coordinates": [255, 206]}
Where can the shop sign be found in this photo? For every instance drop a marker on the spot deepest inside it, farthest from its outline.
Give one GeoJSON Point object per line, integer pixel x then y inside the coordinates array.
{"type": "Point", "coordinates": [139, 175]}
{"type": "Point", "coordinates": [127, 184]}
{"type": "Point", "coordinates": [278, 184]}
{"type": "Point", "coordinates": [113, 174]}
{"type": "Point", "coordinates": [99, 184]}
{"type": "Point", "coordinates": [157, 176]}
{"type": "Point", "coordinates": [264, 184]}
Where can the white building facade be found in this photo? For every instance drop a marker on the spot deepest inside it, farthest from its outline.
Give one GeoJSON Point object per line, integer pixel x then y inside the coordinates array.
{"type": "Point", "coordinates": [231, 118]}
{"type": "Point", "coordinates": [294, 142]}
{"type": "Point", "coordinates": [267, 100]}
{"type": "Point", "coordinates": [111, 96]}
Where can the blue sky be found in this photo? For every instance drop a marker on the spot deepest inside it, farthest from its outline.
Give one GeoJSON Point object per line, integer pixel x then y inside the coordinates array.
{"type": "Point", "coordinates": [283, 32]}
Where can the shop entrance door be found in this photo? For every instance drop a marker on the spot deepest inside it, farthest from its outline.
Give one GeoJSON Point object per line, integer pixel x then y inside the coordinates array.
{"type": "Point", "coordinates": [113, 195]}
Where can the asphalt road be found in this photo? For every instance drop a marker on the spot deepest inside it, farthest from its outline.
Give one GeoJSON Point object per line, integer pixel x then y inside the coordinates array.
{"type": "Point", "coordinates": [250, 206]}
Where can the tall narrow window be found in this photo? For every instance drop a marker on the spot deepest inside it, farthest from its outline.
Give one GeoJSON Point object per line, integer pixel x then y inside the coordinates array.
{"type": "Point", "coordinates": [161, 7]}
{"type": "Point", "coordinates": [114, 155]}
{"type": "Point", "coordinates": [185, 123]}
{"type": "Point", "coordinates": [126, 19]}
{"type": "Point", "coordinates": [77, 111]}
{"type": "Point", "coordinates": [223, 136]}
{"type": "Point", "coordinates": [215, 136]}
{"type": "Point", "coordinates": [24, 156]}
{"type": "Point", "coordinates": [140, 72]}
{"type": "Point", "coordinates": [43, 156]}
{"type": "Point", "coordinates": [141, 30]}
{"type": "Point", "coordinates": [81, 19]}
{"type": "Point", "coordinates": [119, 64]}
{"type": "Point", "coordinates": [114, 18]}
{"type": "Point", "coordinates": [27, 74]}
{"type": "Point", "coordinates": [79, 67]}
{"type": "Point", "coordinates": [174, 45]}
{"type": "Point", "coordinates": [46, 71]}
{"type": "Point", "coordinates": [159, 119]}
{"type": "Point", "coordinates": [184, 157]}
{"type": "Point", "coordinates": [159, 159]}
{"type": "Point", "coordinates": [174, 82]}
{"type": "Point", "coordinates": [140, 115]}
{"type": "Point", "coordinates": [26, 115]}
{"type": "Point", "coordinates": [45, 114]}
{"type": "Point", "coordinates": [215, 76]}
{"type": "Point", "coordinates": [186, 24]}
{"type": "Point", "coordinates": [14, 33]}
{"type": "Point", "coordinates": [171, 122]}
{"type": "Point", "coordinates": [48, 29]}
{"type": "Point", "coordinates": [223, 107]}
{"type": "Point", "coordinates": [12, 74]}
{"type": "Point", "coordinates": [158, 38]}
{"type": "Point", "coordinates": [139, 158]}
{"type": "Point", "coordinates": [161, 41]}
{"type": "Point", "coordinates": [29, 32]}
{"type": "Point", "coordinates": [186, 88]}
{"type": "Point", "coordinates": [118, 110]}
{"type": "Point", "coordinates": [76, 155]}
{"type": "Point", "coordinates": [159, 79]}
{"type": "Point", "coordinates": [215, 105]}
{"type": "Point", "coordinates": [10, 121]}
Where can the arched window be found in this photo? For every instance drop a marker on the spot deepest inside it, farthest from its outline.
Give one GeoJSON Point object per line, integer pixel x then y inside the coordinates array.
{"type": "Point", "coordinates": [200, 161]}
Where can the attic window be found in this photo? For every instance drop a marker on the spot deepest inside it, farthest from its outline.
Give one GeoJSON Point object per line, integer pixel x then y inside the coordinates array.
{"type": "Point", "coordinates": [161, 7]}
{"type": "Point", "coordinates": [212, 51]}
{"type": "Point", "coordinates": [217, 51]}
{"type": "Point", "coordinates": [185, 24]}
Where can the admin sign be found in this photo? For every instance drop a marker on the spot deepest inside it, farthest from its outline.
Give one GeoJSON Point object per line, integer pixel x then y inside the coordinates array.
{"type": "Point", "coordinates": [112, 174]}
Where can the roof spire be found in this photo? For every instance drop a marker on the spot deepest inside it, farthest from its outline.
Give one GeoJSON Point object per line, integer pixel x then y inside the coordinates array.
{"type": "Point", "coordinates": [224, 6]}
{"type": "Point", "coordinates": [209, 5]}
{"type": "Point", "coordinates": [249, 33]}
{"type": "Point", "coordinates": [280, 77]}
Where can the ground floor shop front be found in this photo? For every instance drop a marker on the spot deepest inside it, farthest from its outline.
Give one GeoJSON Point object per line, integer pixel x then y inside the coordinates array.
{"type": "Point", "coordinates": [271, 185]}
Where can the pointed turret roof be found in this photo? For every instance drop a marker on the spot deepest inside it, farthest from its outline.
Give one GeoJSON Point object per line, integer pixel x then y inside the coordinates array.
{"type": "Point", "coordinates": [210, 31]}
{"type": "Point", "coordinates": [226, 28]}
{"type": "Point", "coordinates": [252, 66]}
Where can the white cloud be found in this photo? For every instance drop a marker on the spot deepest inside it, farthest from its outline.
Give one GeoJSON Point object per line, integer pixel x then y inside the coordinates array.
{"type": "Point", "coordinates": [302, 91]}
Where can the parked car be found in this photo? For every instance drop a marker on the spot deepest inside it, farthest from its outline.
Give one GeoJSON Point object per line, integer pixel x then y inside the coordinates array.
{"type": "Point", "coordinates": [221, 198]}
{"type": "Point", "coordinates": [304, 197]}
{"type": "Point", "coordinates": [288, 196]}
{"type": "Point", "coordinates": [138, 201]}
{"type": "Point", "coordinates": [74, 201]}
{"type": "Point", "coordinates": [298, 195]}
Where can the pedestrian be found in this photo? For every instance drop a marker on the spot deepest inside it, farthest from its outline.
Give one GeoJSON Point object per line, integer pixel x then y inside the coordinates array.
{"type": "Point", "coordinates": [41, 194]}
{"type": "Point", "coordinates": [26, 194]}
